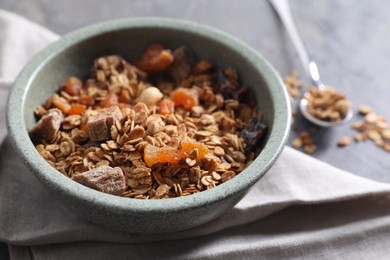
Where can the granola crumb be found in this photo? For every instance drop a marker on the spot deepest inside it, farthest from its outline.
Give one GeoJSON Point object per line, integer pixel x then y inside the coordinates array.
{"type": "Point", "coordinates": [373, 127]}
{"type": "Point", "coordinates": [310, 149]}
{"type": "Point", "coordinates": [305, 142]}
{"type": "Point", "coordinates": [327, 104]}
{"type": "Point", "coordinates": [297, 143]}
{"type": "Point", "coordinates": [344, 141]}
{"type": "Point", "coordinates": [364, 110]}
{"type": "Point", "coordinates": [293, 85]}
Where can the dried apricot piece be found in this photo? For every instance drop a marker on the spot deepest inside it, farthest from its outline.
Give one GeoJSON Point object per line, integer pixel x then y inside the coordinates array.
{"type": "Point", "coordinates": [169, 154]}
{"type": "Point", "coordinates": [73, 86]}
{"type": "Point", "coordinates": [76, 109]}
{"type": "Point", "coordinates": [150, 155]}
{"type": "Point", "coordinates": [185, 97]}
{"type": "Point", "coordinates": [166, 107]}
{"type": "Point", "coordinates": [188, 147]}
{"type": "Point", "coordinates": [155, 59]}
{"type": "Point", "coordinates": [153, 155]}
{"type": "Point", "coordinates": [62, 104]}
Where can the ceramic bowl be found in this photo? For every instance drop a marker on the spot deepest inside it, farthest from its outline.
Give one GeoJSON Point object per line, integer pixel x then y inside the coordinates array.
{"type": "Point", "coordinates": [73, 53]}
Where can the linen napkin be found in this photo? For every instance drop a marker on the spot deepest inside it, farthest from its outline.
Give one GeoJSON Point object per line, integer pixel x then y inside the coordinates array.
{"type": "Point", "coordinates": [301, 209]}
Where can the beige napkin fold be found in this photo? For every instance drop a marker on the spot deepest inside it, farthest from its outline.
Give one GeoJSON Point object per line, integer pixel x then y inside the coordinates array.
{"type": "Point", "coordinates": [302, 208]}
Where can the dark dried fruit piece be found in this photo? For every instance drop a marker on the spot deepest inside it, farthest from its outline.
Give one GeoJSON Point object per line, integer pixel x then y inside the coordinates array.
{"type": "Point", "coordinates": [245, 95]}
{"type": "Point", "coordinates": [104, 178]}
{"type": "Point", "coordinates": [155, 59]}
{"type": "Point", "coordinates": [224, 86]}
{"type": "Point", "coordinates": [253, 132]}
{"type": "Point", "coordinates": [99, 125]}
{"type": "Point", "coordinates": [47, 127]}
{"type": "Point", "coordinates": [183, 62]}
{"type": "Point", "coordinates": [73, 86]}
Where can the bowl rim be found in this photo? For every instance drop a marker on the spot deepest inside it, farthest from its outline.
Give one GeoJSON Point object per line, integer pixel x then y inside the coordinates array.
{"type": "Point", "coordinates": [65, 186]}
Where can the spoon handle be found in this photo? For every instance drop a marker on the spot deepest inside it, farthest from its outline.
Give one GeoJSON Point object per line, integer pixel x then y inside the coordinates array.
{"type": "Point", "coordinates": [282, 8]}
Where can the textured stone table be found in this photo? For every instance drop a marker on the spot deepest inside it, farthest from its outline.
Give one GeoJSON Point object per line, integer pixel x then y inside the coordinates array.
{"type": "Point", "coordinates": [348, 39]}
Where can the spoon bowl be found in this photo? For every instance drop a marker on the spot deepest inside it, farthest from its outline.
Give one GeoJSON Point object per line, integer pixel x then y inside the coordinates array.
{"type": "Point", "coordinates": [315, 78]}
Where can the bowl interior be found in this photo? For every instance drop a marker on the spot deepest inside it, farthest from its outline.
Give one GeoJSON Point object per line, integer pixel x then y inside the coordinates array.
{"type": "Point", "coordinates": [74, 54]}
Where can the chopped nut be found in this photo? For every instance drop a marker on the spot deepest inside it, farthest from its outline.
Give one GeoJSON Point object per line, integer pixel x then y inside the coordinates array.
{"type": "Point", "coordinates": [150, 96]}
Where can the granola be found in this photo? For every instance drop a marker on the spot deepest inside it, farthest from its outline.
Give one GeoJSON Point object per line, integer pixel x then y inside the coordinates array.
{"type": "Point", "coordinates": [373, 127]}
{"type": "Point", "coordinates": [331, 105]}
{"type": "Point", "coordinates": [304, 141]}
{"type": "Point", "coordinates": [327, 104]}
{"type": "Point", "coordinates": [163, 126]}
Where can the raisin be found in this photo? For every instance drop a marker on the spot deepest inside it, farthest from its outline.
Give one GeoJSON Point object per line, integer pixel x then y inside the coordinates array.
{"type": "Point", "coordinates": [224, 86]}
{"type": "Point", "coordinates": [253, 132]}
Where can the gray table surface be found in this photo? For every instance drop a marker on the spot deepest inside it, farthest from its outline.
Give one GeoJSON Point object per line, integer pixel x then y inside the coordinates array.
{"type": "Point", "coordinates": [348, 39]}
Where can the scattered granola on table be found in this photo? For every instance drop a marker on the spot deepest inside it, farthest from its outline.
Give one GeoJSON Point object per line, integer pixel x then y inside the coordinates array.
{"type": "Point", "coordinates": [293, 86]}
{"type": "Point", "coordinates": [331, 105]}
{"type": "Point", "coordinates": [164, 126]}
{"type": "Point", "coordinates": [304, 141]}
{"type": "Point", "coordinates": [373, 127]}
{"type": "Point", "coordinates": [344, 141]}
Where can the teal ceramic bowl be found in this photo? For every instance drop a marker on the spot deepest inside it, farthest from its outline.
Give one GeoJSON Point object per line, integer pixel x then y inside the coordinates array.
{"type": "Point", "coordinates": [73, 53]}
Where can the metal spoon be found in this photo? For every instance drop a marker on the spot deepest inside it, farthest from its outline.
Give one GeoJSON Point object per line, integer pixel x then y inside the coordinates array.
{"type": "Point", "coordinates": [282, 8]}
